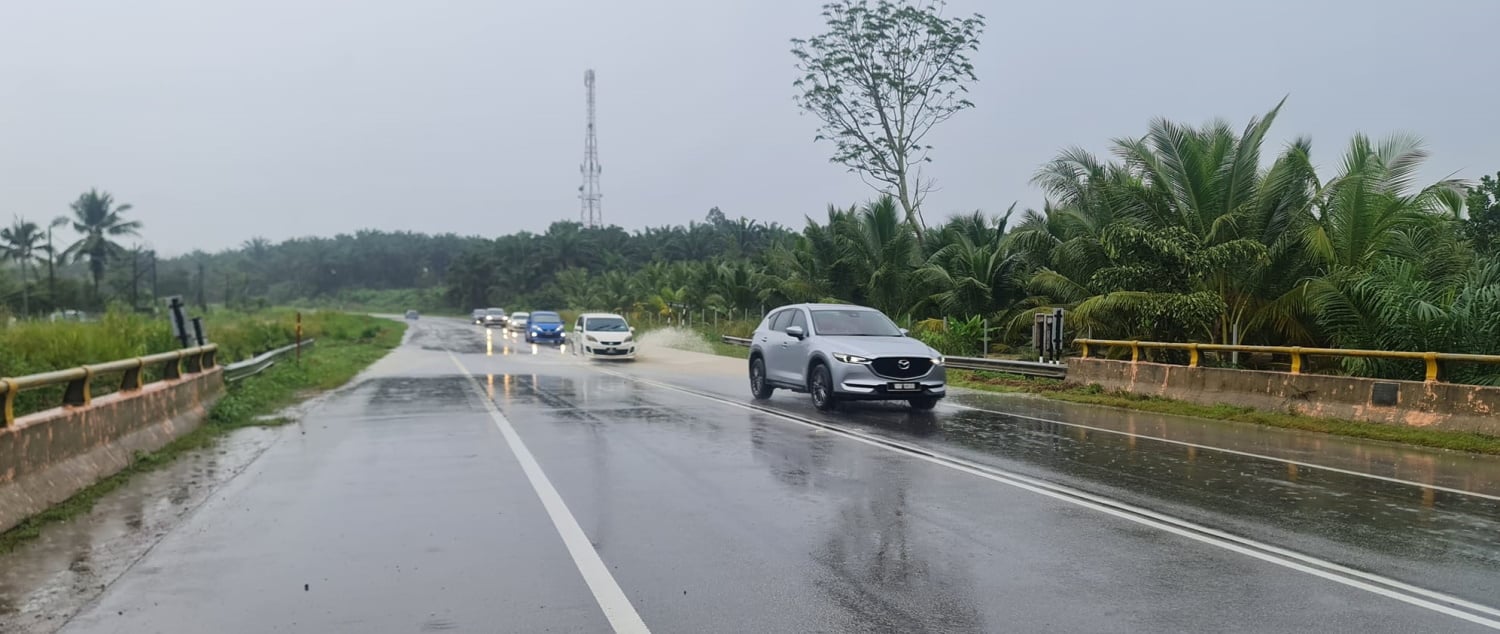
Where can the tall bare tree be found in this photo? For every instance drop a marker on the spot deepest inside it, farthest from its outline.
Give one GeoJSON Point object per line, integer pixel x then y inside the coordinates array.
{"type": "Point", "coordinates": [881, 78]}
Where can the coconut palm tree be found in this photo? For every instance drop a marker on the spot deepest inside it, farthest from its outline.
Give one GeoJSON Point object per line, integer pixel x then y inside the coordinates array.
{"type": "Point", "coordinates": [882, 251]}
{"type": "Point", "coordinates": [20, 243]}
{"type": "Point", "coordinates": [98, 220]}
{"type": "Point", "coordinates": [1181, 196]}
{"type": "Point", "coordinates": [973, 271]}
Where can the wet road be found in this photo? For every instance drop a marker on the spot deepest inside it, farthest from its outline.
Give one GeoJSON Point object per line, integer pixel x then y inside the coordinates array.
{"type": "Point", "coordinates": [465, 487]}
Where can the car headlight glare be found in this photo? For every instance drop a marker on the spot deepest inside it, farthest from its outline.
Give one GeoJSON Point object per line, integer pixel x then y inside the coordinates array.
{"type": "Point", "coordinates": [850, 358]}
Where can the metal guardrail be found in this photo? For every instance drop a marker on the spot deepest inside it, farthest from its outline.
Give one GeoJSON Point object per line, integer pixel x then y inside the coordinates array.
{"type": "Point", "coordinates": [79, 380]}
{"type": "Point", "coordinates": [1009, 366]}
{"type": "Point", "coordinates": [1195, 350]}
{"type": "Point", "coordinates": [255, 365]}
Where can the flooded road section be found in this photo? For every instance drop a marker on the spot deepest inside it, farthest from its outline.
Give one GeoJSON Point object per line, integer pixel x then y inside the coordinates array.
{"type": "Point", "coordinates": [470, 482]}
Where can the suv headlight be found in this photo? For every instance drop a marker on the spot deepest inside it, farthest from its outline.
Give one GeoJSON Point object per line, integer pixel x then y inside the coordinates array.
{"type": "Point", "coordinates": [629, 337]}
{"type": "Point", "coordinates": [939, 360]}
{"type": "Point", "coordinates": [850, 358]}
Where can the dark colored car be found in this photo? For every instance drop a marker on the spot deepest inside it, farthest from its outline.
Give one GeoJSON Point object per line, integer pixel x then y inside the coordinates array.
{"type": "Point", "coordinates": [412, 314]}
{"type": "Point", "coordinates": [477, 316]}
{"type": "Point", "coordinates": [545, 326]}
{"type": "Point", "coordinates": [494, 317]}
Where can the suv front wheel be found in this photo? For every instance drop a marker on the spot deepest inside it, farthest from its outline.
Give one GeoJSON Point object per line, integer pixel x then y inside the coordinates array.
{"type": "Point", "coordinates": [760, 388]}
{"type": "Point", "coordinates": [820, 385]}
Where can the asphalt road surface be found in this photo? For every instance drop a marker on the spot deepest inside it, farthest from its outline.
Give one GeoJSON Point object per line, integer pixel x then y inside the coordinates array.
{"type": "Point", "coordinates": [472, 487]}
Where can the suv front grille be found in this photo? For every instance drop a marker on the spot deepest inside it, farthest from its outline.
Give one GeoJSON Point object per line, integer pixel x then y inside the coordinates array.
{"type": "Point", "coordinates": [902, 367]}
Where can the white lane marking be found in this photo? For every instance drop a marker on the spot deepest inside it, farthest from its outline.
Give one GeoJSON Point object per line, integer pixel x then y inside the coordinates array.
{"type": "Point", "coordinates": [1369, 582]}
{"type": "Point", "coordinates": [612, 600]}
{"type": "Point", "coordinates": [1236, 452]}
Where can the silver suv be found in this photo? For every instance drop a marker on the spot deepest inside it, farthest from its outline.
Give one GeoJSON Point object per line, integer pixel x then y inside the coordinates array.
{"type": "Point", "coordinates": [837, 352]}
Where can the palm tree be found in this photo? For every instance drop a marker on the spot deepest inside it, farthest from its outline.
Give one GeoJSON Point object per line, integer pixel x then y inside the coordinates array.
{"type": "Point", "coordinates": [1378, 244]}
{"type": "Point", "coordinates": [882, 249]}
{"type": "Point", "coordinates": [19, 243]}
{"type": "Point", "coordinates": [98, 219]}
{"type": "Point", "coordinates": [1181, 195]}
{"type": "Point", "coordinates": [972, 270]}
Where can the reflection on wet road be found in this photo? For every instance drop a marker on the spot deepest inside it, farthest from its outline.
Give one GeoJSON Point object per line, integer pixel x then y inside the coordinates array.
{"type": "Point", "coordinates": [399, 506]}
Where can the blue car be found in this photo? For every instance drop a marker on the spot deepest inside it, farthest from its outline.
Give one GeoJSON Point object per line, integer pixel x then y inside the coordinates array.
{"type": "Point", "coordinates": [545, 326]}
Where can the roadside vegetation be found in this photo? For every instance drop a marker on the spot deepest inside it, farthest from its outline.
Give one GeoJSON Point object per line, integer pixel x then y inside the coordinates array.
{"type": "Point", "coordinates": [347, 344]}
{"type": "Point", "coordinates": [35, 347]}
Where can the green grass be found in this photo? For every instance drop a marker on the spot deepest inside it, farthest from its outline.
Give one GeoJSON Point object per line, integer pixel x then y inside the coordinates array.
{"type": "Point", "coordinates": [350, 344]}
{"type": "Point", "coordinates": [1094, 395]}
{"type": "Point", "coordinates": [729, 350]}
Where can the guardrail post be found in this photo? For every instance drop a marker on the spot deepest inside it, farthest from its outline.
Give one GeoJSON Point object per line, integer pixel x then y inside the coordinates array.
{"type": "Point", "coordinates": [78, 389]}
{"type": "Point", "coordinates": [10, 402]}
{"type": "Point", "coordinates": [1192, 355]}
{"type": "Point", "coordinates": [172, 369]}
{"type": "Point", "coordinates": [195, 362]}
{"type": "Point", "coordinates": [1432, 366]}
{"type": "Point", "coordinates": [1296, 360]}
{"type": "Point", "coordinates": [1085, 346]}
{"type": "Point", "coordinates": [1135, 351]}
{"type": "Point", "coordinates": [131, 380]}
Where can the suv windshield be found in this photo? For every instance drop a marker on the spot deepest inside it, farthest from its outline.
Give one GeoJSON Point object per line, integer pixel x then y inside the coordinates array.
{"type": "Point", "coordinates": [495, 311]}
{"type": "Point", "coordinates": [857, 323]}
{"type": "Point", "coordinates": [545, 318]}
{"type": "Point", "coordinates": [606, 324]}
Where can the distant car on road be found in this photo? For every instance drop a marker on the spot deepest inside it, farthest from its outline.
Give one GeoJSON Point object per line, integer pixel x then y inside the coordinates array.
{"type": "Point", "coordinates": [843, 353]}
{"type": "Point", "coordinates": [477, 316]}
{"type": "Point", "coordinates": [545, 326]}
{"type": "Point", "coordinates": [517, 322]}
{"type": "Point", "coordinates": [412, 314]}
{"type": "Point", "coordinates": [603, 336]}
{"type": "Point", "coordinates": [494, 317]}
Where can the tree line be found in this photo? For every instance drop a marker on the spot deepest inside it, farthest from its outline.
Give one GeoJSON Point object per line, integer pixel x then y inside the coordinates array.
{"type": "Point", "coordinates": [1185, 233]}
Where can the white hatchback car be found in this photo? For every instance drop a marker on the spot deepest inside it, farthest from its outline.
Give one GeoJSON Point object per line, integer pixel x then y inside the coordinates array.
{"type": "Point", "coordinates": [517, 322]}
{"type": "Point", "coordinates": [603, 336]}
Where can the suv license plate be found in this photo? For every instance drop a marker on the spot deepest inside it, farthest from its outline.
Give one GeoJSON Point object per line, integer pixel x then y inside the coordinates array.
{"type": "Point", "coordinates": [903, 387]}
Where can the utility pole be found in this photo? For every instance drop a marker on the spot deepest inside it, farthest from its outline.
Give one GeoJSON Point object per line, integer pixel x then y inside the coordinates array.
{"type": "Point", "coordinates": [202, 300]}
{"type": "Point", "coordinates": [592, 215]}
{"type": "Point", "coordinates": [153, 277]}
{"type": "Point", "coordinates": [51, 262]}
{"type": "Point", "coordinates": [135, 280]}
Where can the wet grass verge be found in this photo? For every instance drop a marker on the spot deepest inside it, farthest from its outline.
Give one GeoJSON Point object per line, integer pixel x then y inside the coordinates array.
{"type": "Point", "coordinates": [730, 350]}
{"type": "Point", "coordinates": [1094, 395]}
{"type": "Point", "coordinates": [333, 362]}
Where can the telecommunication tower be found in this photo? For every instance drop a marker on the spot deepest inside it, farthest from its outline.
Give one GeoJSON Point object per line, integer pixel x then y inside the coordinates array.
{"type": "Point", "coordinates": [591, 215]}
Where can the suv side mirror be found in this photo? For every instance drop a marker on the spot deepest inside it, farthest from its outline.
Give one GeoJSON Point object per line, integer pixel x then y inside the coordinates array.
{"type": "Point", "coordinates": [796, 331]}
{"type": "Point", "coordinates": [905, 332]}
{"type": "Point", "coordinates": [632, 329]}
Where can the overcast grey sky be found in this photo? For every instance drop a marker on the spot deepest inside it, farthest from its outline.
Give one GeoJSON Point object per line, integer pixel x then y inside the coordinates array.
{"type": "Point", "coordinates": [225, 120]}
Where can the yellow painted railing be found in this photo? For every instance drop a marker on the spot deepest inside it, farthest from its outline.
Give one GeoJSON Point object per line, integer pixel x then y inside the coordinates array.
{"type": "Point", "coordinates": [1431, 359]}
{"type": "Point", "coordinates": [78, 380]}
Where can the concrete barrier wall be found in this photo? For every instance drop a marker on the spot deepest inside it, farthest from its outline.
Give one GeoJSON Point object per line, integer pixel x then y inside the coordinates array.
{"type": "Point", "coordinates": [47, 457]}
{"type": "Point", "coordinates": [1437, 405]}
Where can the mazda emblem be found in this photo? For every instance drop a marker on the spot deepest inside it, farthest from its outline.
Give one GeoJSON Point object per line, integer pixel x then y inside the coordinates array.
{"type": "Point", "coordinates": [903, 364]}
